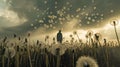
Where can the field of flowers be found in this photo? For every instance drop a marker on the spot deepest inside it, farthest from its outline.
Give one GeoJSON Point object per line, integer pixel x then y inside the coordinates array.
{"type": "Point", "coordinates": [23, 53]}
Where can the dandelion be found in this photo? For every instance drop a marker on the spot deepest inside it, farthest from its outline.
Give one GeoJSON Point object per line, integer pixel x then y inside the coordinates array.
{"type": "Point", "coordinates": [105, 42]}
{"type": "Point", "coordinates": [17, 48]}
{"type": "Point", "coordinates": [86, 62]}
{"type": "Point", "coordinates": [86, 38]}
{"type": "Point", "coordinates": [72, 40]}
{"type": "Point", "coordinates": [55, 48]}
{"type": "Point", "coordinates": [19, 38]}
{"type": "Point", "coordinates": [97, 37]}
{"type": "Point", "coordinates": [10, 45]}
{"type": "Point", "coordinates": [5, 39]}
{"type": "Point", "coordinates": [47, 39]}
{"type": "Point", "coordinates": [26, 40]}
{"type": "Point", "coordinates": [37, 42]}
{"type": "Point", "coordinates": [114, 23]}
{"type": "Point", "coordinates": [14, 35]}
{"type": "Point", "coordinates": [53, 40]}
{"type": "Point", "coordinates": [89, 35]}
{"type": "Point", "coordinates": [58, 50]}
{"type": "Point", "coordinates": [10, 52]}
{"type": "Point", "coordinates": [71, 35]}
{"type": "Point", "coordinates": [75, 33]}
{"type": "Point", "coordinates": [29, 34]}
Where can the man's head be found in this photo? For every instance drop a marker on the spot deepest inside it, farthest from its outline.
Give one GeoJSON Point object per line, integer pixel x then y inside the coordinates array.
{"type": "Point", "coordinates": [59, 31]}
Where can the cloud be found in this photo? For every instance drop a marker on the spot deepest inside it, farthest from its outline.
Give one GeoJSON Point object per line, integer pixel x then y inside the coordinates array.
{"type": "Point", "coordinates": [19, 15]}
{"type": "Point", "coordinates": [10, 18]}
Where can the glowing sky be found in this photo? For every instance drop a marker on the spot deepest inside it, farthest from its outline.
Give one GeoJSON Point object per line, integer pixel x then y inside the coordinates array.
{"type": "Point", "coordinates": [47, 16]}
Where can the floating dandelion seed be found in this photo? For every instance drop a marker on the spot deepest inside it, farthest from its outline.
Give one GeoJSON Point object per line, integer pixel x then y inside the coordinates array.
{"type": "Point", "coordinates": [86, 14]}
{"type": "Point", "coordinates": [97, 14]}
{"type": "Point", "coordinates": [45, 2]}
{"type": "Point", "coordinates": [102, 15]}
{"type": "Point", "coordinates": [35, 28]}
{"type": "Point", "coordinates": [55, 6]}
{"type": "Point", "coordinates": [93, 20]}
{"type": "Point", "coordinates": [93, 1]}
{"type": "Point", "coordinates": [68, 3]}
{"type": "Point", "coordinates": [71, 5]}
{"type": "Point", "coordinates": [111, 11]}
{"type": "Point", "coordinates": [88, 22]}
{"type": "Point", "coordinates": [41, 21]}
{"type": "Point", "coordinates": [84, 6]}
{"type": "Point", "coordinates": [31, 24]}
{"type": "Point", "coordinates": [78, 10]}
{"type": "Point", "coordinates": [86, 62]}
{"type": "Point", "coordinates": [34, 8]}
{"type": "Point", "coordinates": [56, 2]}
{"type": "Point", "coordinates": [94, 8]}
{"type": "Point", "coordinates": [89, 18]}
{"type": "Point", "coordinates": [77, 16]}
{"type": "Point", "coordinates": [37, 9]}
{"type": "Point", "coordinates": [95, 17]}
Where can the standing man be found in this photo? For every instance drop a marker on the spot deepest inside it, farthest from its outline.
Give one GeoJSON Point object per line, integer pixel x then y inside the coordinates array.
{"type": "Point", "coordinates": [59, 37]}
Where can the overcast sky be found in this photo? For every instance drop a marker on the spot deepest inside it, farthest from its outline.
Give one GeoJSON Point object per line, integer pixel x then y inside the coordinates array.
{"type": "Point", "coordinates": [46, 16]}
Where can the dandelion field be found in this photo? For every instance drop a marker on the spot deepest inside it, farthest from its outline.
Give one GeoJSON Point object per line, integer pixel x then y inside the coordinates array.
{"type": "Point", "coordinates": [24, 53]}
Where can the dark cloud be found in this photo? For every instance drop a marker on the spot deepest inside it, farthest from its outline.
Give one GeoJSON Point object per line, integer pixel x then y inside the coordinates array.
{"type": "Point", "coordinates": [90, 13]}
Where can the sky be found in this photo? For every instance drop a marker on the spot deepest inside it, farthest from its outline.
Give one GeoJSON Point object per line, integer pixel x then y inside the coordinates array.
{"type": "Point", "coordinates": [46, 17]}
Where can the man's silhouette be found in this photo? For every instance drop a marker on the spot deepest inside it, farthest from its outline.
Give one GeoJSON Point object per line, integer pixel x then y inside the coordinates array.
{"type": "Point", "coordinates": [59, 37]}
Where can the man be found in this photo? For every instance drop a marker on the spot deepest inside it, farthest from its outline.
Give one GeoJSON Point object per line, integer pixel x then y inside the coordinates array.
{"type": "Point", "coordinates": [59, 37]}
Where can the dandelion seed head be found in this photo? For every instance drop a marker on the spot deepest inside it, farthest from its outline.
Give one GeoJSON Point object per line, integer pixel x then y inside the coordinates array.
{"type": "Point", "coordinates": [10, 52]}
{"type": "Point", "coordinates": [75, 32]}
{"type": "Point", "coordinates": [58, 48]}
{"type": "Point", "coordinates": [86, 62]}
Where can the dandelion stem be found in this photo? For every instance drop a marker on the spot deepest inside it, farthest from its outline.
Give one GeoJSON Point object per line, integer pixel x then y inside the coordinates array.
{"type": "Point", "coordinates": [17, 60]}
{"type": "Point", "coordinates": [8, 62]}
{"type": "Point", "coordinates": [58, 60]}
{"type": "Point", "coordinates": [73, 59]}
{"type": "Point", "coordinates": [47, 63]}
{"type": "Point", "coordinates": [3, 62]}
{"type": "Point", "coordinates": [29, 57]}
{"type": "Point", "coordinates": [116, 35]}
